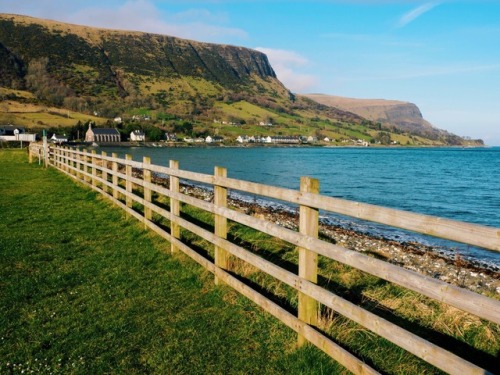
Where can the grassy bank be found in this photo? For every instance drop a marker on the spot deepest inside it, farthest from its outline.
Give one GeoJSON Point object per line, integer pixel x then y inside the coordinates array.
{"type": "Point", "coordinates": [84, 289]}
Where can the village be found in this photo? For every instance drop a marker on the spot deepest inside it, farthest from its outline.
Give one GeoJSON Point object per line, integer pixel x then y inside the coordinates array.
{"type": "Point", "coordinates": [95, 135]}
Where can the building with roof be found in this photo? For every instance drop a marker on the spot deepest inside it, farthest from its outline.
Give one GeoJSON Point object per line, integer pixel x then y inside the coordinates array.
{"type": "Point", "coordinates": [102, 135]}
{"type": "Point", "coordinates": [137, 135]}
{"type": "Point", "coordinates": [15, 133]}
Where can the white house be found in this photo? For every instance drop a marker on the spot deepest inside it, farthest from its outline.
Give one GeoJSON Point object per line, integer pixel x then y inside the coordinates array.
{"type": "Point", "coordinates": [59, 138]}
{"type": "Point", "coordinates": [214, 139]}
{"type": "Point", "coordinates": [138, 136]}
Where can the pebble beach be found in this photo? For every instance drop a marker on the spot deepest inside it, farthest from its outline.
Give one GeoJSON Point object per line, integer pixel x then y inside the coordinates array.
{"type": "Point", "coordinates": [414, 256]}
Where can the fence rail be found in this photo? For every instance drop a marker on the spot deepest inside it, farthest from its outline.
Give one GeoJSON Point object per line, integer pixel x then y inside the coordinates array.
{"type": "Point", "coordinates": [114, 178]}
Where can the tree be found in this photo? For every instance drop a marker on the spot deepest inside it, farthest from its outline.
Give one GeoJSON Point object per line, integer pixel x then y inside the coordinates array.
{"type": "Point", "coordinates": [43, 85]}
{"type": "Point", "coordinates": [154, 134]}
{"type": "Point", "coordinates": [186, 128]}
{"type": "Point", "coordinates": [384, 138]}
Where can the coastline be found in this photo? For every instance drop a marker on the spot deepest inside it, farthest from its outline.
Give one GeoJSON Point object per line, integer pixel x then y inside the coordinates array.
{"type": "Point", "coordinates": [414, 256]}
{"type": "Point", "coordinates": [168, 144]}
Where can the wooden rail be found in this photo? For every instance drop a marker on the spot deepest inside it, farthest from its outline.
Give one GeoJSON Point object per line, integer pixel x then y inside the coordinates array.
{"type": "Point", "coordinates": [114, 178]}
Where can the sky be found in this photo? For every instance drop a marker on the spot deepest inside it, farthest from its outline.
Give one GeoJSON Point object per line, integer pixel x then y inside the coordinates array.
{"type": "Point", "coordinates": [444, 56]}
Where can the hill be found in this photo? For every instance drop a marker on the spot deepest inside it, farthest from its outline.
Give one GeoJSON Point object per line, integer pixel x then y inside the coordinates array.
{"type": "Point", "coordinates": [398, 114]}
{"type": "Point", "coordinates": [169, 81]}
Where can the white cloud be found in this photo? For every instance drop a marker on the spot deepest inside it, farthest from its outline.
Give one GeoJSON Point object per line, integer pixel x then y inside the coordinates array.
{"type": "Point", "coordinates": [415, 13]}
{"type": "Point", "coordinates": [140, 15]}
{"type": "Point", "coordinates": [143, 15]}
{"type": "Point", "coordinates": [287, 65]}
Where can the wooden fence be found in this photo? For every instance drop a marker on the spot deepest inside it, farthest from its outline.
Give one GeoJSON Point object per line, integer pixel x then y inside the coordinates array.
{"type": "Point", "coordinates": [114, 178]}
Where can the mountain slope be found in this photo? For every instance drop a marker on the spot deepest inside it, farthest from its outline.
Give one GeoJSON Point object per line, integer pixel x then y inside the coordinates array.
{"type": "Point", "coordinates": [104, 51]}
{"type": "Point", "coordinates": [390, 113]}
{"type": "Point", "coordinates": [121, 73]}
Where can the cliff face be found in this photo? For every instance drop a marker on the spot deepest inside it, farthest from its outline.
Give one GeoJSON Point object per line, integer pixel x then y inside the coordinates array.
{"type": "Point", "coordinates": [103, 52]}
{"type": "Point", "coordinates": [390, 113]}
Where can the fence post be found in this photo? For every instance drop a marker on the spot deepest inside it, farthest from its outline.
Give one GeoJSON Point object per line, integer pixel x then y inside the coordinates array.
{"type": "Point", "coordinates": [85, 169]}
{"type": "Point", "coordinates": [175, 230]}
{"type": "Point", "coordinates": [62, 158]}
{"type": "Point", "coordinates": [94, 169]}
{"type": "Point", "coordinates": [115, 176]}
{"type": "Point", "coordinates": [66, 157]}
{"type": "Point", "coordinates": [308, 260]}
{"type": "Point", "coordinates": [45, 149]}
{"type": "Point", "coordinates": [56, 158]}
{"type": "Point", "coordinates": [128, 182]}
{"type": "Point", "coordinates": [146, 176]}
{"type": "Point", "coordinates": [104, 172]}
{"type": "Point", "coordinates": [220, 200]}
{"type": "Point", "coordinates": [78, 164]}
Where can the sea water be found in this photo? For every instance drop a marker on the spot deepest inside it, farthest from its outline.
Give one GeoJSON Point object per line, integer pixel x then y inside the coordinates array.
{"type": "Point", "coordinates": [455, 183]}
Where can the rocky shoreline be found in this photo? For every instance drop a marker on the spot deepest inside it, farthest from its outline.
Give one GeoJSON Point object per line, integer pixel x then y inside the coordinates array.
{"type": "Point", "coordinates": [414, 256]}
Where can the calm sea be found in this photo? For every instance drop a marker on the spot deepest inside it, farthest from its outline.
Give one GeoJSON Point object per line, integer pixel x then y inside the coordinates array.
{"type": "Point", "coordinates": [456, 183]}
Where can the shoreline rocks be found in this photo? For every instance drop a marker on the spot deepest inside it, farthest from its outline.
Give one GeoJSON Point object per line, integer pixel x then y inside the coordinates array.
{"type": "Point", "coordinates": [427, 260]}
{"type": "Point", "coordinates": [414, 256]}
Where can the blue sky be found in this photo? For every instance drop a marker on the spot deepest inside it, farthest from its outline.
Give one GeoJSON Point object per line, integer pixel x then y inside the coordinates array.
{"type": "Point", "coordinates": [443, 56]}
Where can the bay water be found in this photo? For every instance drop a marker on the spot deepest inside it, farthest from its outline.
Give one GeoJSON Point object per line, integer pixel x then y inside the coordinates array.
{"type": "Point", "coordinates": [455, 183]}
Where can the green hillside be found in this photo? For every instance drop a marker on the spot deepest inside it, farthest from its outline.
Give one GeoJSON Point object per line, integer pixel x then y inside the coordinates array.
{"type": "Point", "coordinates": [160, 83]}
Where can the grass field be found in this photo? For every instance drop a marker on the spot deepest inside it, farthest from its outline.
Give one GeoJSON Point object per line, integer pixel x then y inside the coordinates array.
{"type": "Point", "coordinates": [39, 116]}
{"type": "Point", "coordinates": [85, 290]}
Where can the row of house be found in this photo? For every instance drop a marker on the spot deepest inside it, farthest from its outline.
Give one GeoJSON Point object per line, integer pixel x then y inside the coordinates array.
{"type": "Point", "coordinates": [112, 135]}
{"type": "Point", "coordinates": [276, 139]}
{"type": "Point", "coordinates": [208, 139]}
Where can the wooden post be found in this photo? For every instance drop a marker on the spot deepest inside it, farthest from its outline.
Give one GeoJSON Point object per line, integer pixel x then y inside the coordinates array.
{"type": "Point", "coordinates": [60, 152]}
{"type": "Point", "coordinates": [78, 166]}
{"type": "Point", "coordinates": [56, 158]}
{"type": "Point", "coordinates": [128, 182]}
{"type": "Point", "coordinates": [175, 230]}
{"type": "Point", "coordinates": [308, 260]}
{"type": "Point", "coordinates": [62, 159]}
{"type": "Point", "coordinates": [220, 200]}
{"type": "Point", "coordinates": [104, 173]}
{"type": "Point", "coordinates": [114, 167]}
{"type": "Point", "coordinates": [94, 169]}
{"type": "Point", "coordinates": [146, 175]}
{"type": "Point", "coordinates": [66, 159]}
{"type": "Point", "coordinates": [45, 150]}
{"type": "Point", "coordinates": [85, 170]}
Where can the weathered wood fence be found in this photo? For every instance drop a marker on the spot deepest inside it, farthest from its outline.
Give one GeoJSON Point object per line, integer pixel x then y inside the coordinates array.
{"type": "Point", "coordinates": [113, 177]}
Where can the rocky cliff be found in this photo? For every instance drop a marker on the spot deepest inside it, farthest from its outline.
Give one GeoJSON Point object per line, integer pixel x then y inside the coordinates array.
{"type": "Point", "coordinates": [390, 113]}
{"type": "Point", "coordinates": [78, 54]}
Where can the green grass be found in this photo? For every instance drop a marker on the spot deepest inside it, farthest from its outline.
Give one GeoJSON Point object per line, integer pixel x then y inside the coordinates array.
{"type": "Point", "coordinates": [463, 334]}
{"type": "Point", "coordinates": [84, 289]}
